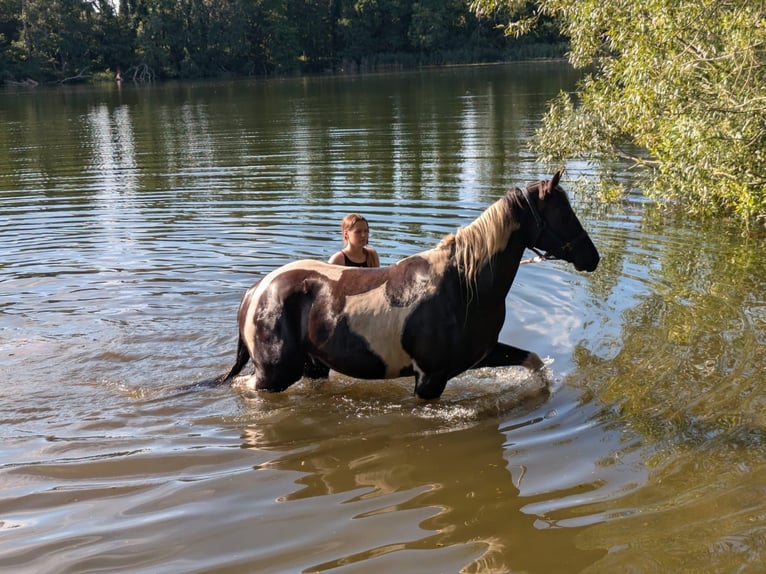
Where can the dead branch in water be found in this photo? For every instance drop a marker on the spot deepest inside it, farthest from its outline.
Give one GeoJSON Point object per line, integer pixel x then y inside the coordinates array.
{"type": "Point", "coordinates": [140, 74]}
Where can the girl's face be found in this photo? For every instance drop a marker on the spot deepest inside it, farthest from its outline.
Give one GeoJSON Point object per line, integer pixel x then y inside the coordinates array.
{"type": "Point", "coordinates": [358, 234]}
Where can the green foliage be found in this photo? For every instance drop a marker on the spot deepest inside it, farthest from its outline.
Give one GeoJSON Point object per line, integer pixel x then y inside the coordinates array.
{"type": "Point", "coordinates": [677, 86]}
{"type": "Point", "coordinates": [68, 40]}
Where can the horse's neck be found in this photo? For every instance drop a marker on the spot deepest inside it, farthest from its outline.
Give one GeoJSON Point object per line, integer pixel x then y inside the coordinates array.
{"type": "Point", "coordinates": [501, 268]}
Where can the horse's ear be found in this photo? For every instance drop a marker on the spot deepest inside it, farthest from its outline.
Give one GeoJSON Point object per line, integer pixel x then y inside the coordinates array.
{"type": "Point", "coordinates": [551, 184]}
{"type": "Point", "coordinates": [554, 182]}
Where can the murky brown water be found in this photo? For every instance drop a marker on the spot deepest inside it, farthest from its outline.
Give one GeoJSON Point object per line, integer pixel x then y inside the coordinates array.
{"type": "Point", "coordinates": [132, 221]}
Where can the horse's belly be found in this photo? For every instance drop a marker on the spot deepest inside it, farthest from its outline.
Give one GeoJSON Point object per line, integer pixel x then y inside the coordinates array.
{"type": "Point", "coordinates": [358, 359]}
{"type": "Point", "coordinates": [369, 372]}
{"type": "Point", "coordinates": [385, 346]}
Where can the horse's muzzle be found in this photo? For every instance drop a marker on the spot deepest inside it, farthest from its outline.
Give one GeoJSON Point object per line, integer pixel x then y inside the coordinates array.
{"type": "Point", "coordinates": [589, 263]}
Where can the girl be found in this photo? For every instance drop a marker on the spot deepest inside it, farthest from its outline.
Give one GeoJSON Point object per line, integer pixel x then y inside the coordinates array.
{"type": "Point", "coordinates": [355, 253]}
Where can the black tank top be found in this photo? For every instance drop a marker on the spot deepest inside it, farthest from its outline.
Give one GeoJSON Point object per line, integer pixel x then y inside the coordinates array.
{"type": "Point", "coordinates": [349, 263]}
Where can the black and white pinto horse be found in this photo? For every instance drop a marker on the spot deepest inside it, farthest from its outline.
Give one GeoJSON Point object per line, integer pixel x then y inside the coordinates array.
{"type": "Point", "coordinates": [432, 315]}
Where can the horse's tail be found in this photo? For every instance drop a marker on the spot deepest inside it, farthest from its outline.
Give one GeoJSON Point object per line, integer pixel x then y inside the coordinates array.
{"type": "Point", "coordinates": [243, 356]}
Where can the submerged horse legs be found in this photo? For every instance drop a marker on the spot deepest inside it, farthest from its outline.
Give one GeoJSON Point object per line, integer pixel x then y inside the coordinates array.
{"type": "Point", "coordinates": [503, 355]}
{"type": "Point", "coordinates": [431, 385]}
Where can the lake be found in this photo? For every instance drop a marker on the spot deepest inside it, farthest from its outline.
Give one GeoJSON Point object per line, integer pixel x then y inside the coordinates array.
{"type": "Point", "coordinates": [133, 219]}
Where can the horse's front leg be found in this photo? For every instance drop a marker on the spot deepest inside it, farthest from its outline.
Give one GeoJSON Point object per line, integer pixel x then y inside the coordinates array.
{"type": "Point", "coordinates": [502, 355]}
{"type": "Point", "coordinates": [430, 386]}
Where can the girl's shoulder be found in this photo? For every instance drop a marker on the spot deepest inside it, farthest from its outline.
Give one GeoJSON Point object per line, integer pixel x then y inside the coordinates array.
{"type": "Point", "coordinates": [337, 258]}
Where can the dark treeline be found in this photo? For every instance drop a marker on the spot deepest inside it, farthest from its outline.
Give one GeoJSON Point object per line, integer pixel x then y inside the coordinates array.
{"type": "Point", "coordinates": [70, 40]}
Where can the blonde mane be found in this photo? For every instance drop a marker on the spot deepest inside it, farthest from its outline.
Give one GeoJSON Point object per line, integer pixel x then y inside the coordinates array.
{"type": "Point", "coordinates": [478, 241]}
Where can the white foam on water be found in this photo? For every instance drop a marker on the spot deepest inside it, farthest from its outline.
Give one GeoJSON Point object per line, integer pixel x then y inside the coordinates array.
{"type": "Point", "coordinates": [474, 395]}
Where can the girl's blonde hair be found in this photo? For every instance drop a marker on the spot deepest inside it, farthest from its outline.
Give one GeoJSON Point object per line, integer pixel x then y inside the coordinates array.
{"type": "Point", "coordinates": [350, 220]}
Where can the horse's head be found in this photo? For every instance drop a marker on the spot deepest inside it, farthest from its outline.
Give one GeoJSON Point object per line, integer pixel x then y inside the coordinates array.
{"type": "Point", "coordinates": [553, 227]}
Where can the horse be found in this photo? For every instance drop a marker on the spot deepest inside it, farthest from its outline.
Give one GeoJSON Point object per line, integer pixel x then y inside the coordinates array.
{"type": "Point", "coordinates": [432, 315]}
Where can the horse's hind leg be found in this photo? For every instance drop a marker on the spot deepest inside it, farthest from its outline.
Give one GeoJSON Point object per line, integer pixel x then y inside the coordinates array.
{"type": "Point", "coordinates": [315, 369]}
{"type": "Point", "coordinates": [276, 373]}
{"type": "Point", "coordinates": [276, 378]}
{"type": "Point", "coordinates": [503, 355]}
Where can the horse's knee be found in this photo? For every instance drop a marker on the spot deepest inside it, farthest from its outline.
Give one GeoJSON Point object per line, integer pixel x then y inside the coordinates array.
{"type": "Point", "coordinates": [502, 355]}
{"type": "Point", "coordinates": [429, 388]}
{"type": "Point", "coordinates": [533, 362]}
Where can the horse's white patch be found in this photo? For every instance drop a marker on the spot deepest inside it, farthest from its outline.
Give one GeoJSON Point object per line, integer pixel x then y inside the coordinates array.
{"type": "Point", "coordinates": [247, 325]}
{"type": "Point", "coordinates": [370, 316]}
{"type": "Point", "coordinates": [322, 310]}
{"type": "Point", "coordinates": [264, 314]}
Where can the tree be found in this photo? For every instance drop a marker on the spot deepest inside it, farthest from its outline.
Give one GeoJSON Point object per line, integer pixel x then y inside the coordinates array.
{"type": "Point", "coordinates": [676, 86]}
{"type": "Point", "coordinates": [56, 35]}
{"type": "Point", "coordinates": [65, 40]}
{"type": "Point", "coordinates": [11, 51]}
{"type": "Point", "coordinates": [375, 28]}
{"type": "Point", "coordinates": [314, 27]}
{"type": "Point", "coordinates": [439, 25]}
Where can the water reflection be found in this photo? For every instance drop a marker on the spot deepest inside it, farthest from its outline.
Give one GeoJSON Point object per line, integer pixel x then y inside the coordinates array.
{"type": "Point", "coordinates": [691, 393]}
{"type": "Point", "coordinates": [113, 149]}
{"type": "Point", "coordinates": [426, 476]}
